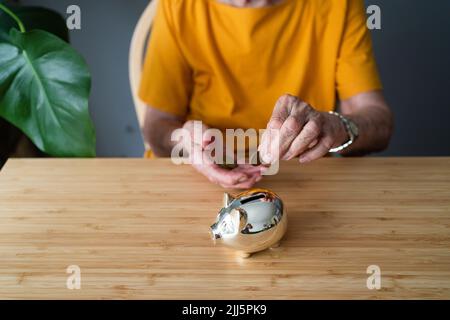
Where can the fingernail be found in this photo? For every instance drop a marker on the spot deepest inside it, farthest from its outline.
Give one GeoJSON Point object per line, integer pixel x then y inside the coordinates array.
{"type": "Point", "coordinates": [303, 160]}
{"type": "Point", "coordinates": [287, 156]}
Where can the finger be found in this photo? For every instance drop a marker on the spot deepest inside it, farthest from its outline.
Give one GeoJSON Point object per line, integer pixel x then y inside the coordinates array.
{"type": "Point", "coordinates": [262, 142]}
{"type": "Point", "coordinates": [249, 184]}
{"type": "Point", "coordinates": [250, 171]}
{"type": "Point", "coordinates": [253, 174]}
{"type": "Point", "coordinates": [290, 129]}
{"type": "Point", "coordinates": [307, 138]}
{"type": "Point", "coordinates": [244, 185]}
{"type": "Point", "coordinates": [313, 144]}
{"type": "Point", "coordinates": [280, 113]}
{"type": "Point", "coordinates": [217, 174]}
{"type": "Point", "coordinates": [247, 169]}
{"type": "Point", "coordinates": [321, 149]}
{"type": "Point", "coordinates": [271, 153]}
{"type": "Point", "coordinates": [263, 148]}
{"type": "Point", "coordinates": [299, 113]}
{"type": "Point", "coordinates": [224, 176]}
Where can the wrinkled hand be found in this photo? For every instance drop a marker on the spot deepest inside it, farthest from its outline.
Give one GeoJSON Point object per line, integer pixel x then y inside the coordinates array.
{"type": "Point", "coordinates": [303, 132]}
{"type": "Point", "coordinates": [241, 177]}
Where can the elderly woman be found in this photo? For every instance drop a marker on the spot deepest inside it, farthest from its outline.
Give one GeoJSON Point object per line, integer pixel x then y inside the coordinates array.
{"type": "Point", "coordinates": [285, 64]}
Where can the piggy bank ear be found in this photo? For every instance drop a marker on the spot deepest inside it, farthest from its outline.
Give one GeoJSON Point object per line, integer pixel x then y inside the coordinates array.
{"type": "Point", "coordinates": [239, 218]}
{"type": "Point", "coordinates": [227, 199]}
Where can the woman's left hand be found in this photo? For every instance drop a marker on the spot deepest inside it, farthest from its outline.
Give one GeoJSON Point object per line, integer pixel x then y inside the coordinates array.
{"type": "Point", "coordinates": [301, 131]}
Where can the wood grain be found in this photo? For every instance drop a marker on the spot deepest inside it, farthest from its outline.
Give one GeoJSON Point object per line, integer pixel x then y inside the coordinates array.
{"type": "Point", "coordinates": [139, 229]}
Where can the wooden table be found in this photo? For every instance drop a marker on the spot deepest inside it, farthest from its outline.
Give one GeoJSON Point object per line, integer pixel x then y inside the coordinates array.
{"type": "Point", "coordinates": [139, 229]}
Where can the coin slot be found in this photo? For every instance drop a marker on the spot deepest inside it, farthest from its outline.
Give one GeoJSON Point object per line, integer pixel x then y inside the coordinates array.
{"type": "Point", "coordinates": [252, 198]}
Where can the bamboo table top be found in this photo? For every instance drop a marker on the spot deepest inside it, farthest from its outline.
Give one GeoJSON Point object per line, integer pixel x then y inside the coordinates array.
{"type": "Point", "coordinates": [138, 229]}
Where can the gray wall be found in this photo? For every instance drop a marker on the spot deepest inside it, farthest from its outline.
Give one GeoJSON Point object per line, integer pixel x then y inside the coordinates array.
{"type": "Point", "coordinates": [412, 50]}
{"type": "Point", "coordinates": [413, 54]}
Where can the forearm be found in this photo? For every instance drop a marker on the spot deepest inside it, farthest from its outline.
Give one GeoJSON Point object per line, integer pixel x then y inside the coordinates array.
{"type": "Point", "coordinates": [375, 125]}
{"type": "Point", "coordinates": [157, 132]}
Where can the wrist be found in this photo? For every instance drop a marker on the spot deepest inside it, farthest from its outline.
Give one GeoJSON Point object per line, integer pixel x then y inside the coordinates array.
{"type": "Point", "coordinates": [339, 131]}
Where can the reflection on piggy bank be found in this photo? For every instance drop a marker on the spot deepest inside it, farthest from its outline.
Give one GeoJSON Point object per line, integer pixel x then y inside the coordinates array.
{"type": "Point", "coordinates": [251, 221]}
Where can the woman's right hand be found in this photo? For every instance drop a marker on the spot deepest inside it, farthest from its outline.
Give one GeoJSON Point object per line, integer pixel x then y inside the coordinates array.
{"type": "Point", "coordinates": [242, 177]}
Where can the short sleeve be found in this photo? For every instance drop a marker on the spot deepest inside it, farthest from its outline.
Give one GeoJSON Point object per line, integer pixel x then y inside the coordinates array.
{"type": "Point", "coordinates": [166, 79]}
{"type": "Point", "coordinates": [356, 67]}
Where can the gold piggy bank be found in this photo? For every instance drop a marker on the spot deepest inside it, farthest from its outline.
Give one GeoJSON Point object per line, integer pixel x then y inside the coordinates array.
{"type": "Point", "coordinates": [251, 221]}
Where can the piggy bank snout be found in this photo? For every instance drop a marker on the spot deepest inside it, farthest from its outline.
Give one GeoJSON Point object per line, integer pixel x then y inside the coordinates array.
{"type": "Point", "coordinates": [214, 231]}
{"type": "Point", "coordinates": [229, 225]}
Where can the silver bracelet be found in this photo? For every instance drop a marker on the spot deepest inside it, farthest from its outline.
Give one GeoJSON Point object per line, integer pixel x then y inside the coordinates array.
{"type": "Point", "coordinates": [350, 133]}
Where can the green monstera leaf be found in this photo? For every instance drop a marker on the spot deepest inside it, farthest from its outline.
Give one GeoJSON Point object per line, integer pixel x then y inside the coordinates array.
{"type": "Point", "coordinates": [44, 91]}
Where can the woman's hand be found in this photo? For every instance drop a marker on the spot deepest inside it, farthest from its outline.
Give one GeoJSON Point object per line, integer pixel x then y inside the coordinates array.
{"type": "Point", "coordinates": [302, 132]}
{"type": "Point", "coordinates": [241, 177]}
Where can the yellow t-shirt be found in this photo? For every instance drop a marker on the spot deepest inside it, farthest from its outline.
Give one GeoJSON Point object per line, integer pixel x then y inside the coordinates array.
{"type": "Point", "coordinates": [227, 66]}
